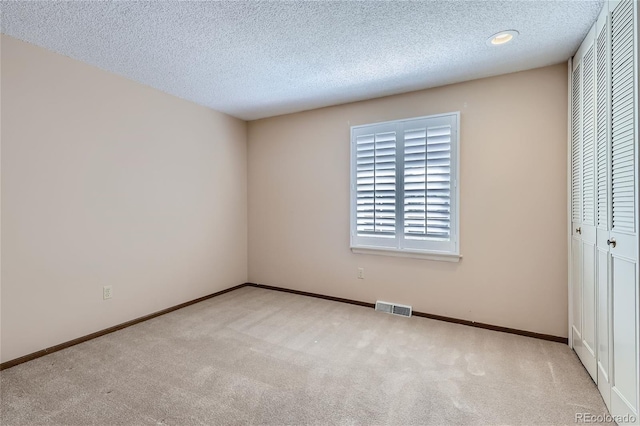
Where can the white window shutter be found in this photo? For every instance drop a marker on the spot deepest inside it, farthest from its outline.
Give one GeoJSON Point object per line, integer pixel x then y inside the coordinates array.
{"type": "Point", "coordinates": [376, 182]}
{"type": "Point", "coordinates": [427, 181]}
{"type": "Point", "coordinates": [622, 119]}
{"type": "Point", "coordinates": [404, 190]}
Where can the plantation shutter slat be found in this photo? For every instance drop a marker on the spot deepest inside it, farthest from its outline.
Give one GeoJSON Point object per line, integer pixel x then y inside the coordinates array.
{"type": "Point", "coordinates": [376, 184]}
{"type": "Point", "coordinates": [622, 119]}
{"type": "Point", "coordinates": [588, 139]}
{"type": "Point", "coordinates": [602, 136]}
{"type": "Point", "coordinates": [576, 213]}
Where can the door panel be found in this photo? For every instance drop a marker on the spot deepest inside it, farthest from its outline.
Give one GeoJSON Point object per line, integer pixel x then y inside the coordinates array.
{"type": "Point", "coordinates": [586, 231]}
{"type": "Point", "coordinates": [576, 274]}
{"type": "Point", "coordinates": [603, 202]}
{"type": "Point", "coordinates": [603, 322]}
{"type": "Point", "coordinates": [624, 394]}
{"type": "Point", "coordinates": [588, 353]}
{"type": "Point", "coordinates": [624, 192]}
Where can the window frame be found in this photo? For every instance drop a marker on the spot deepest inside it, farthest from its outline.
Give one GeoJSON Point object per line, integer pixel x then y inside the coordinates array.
{"type": "Point", "coordinates": [399, 245]}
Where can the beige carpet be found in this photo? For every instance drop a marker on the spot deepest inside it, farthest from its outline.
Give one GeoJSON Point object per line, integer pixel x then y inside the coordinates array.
{"type": "Point", "coordinates": [256, 356]}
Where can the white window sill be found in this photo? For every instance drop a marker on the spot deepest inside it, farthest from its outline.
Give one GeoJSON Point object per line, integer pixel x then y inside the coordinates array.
{"type": "Point", "coordinates": [428, 255]}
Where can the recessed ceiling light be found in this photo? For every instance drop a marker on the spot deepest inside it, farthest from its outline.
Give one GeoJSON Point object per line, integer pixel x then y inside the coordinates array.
{"type": "Point", "coordinates": [502, 37]}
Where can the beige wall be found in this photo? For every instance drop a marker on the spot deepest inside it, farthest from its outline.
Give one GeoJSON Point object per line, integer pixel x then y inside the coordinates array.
{"type": "Point", "coordinates": [513, 204]}
{"type": "Point", "coordinates": [109, 182]}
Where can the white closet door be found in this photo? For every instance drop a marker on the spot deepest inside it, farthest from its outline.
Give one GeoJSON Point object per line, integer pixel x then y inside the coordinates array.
{"type": "Point", "coordinates": [603, 203]}
{"type": "Point", "coordinates": [583, 201]}
{"type": "Point", "coordinates": [576, 204]}
{"type": "Point", "coordinates": [624, 192]}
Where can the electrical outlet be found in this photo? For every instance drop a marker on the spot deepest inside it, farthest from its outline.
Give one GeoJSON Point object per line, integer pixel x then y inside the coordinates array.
{"type": "Point", "coordinates": [361, 273]}
{"type": "Point", "coordinates": [107, 292]}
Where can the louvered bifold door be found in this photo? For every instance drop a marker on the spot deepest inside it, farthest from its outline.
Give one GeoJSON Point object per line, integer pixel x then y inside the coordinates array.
{"type": "Point", "coordinates": [603, 204]}
{"type": "Point", "coordinates": [586, 229]}
{"type": "Point", "coordinates": [576, 204]}
{"type": "Point", "coordinates": [624, 238]}
{"type": "Point", "coordinates": [427, 200]}
{"type": "Point", "coordinates": [374, 150]}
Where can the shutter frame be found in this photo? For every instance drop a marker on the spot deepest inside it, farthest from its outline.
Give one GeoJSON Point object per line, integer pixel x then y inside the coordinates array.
{"type": "Point", "coordinates": [399, 243]}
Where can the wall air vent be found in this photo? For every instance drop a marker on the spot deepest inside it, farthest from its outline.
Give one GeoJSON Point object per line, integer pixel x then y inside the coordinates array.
{"type": "Point", "coordinates": [393, 308]}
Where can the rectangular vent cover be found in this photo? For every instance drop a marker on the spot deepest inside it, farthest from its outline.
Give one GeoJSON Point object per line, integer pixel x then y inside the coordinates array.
{"type": "Point", "coordinates": [393, 308]}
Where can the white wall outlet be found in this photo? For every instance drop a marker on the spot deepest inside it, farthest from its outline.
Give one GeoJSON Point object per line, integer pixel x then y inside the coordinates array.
{"type": "Point", "coordinates": [107, 292]}
{"type": "Point", "coordinates": [361, 273]}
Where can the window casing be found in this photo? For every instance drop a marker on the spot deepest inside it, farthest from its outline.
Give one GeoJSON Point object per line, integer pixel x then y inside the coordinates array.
{"type": "Point", "coordinates": [404, 187]}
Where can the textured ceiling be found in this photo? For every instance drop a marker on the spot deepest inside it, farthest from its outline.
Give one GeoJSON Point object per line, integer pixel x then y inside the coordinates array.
{"type": "Point", "coordinates": [260, 59]}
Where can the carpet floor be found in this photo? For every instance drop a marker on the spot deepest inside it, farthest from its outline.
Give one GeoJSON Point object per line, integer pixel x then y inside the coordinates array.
{"type": "Point", "coordinates": [257, 356]}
